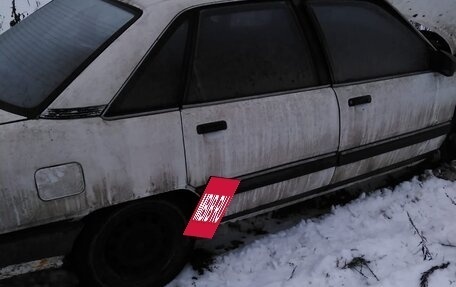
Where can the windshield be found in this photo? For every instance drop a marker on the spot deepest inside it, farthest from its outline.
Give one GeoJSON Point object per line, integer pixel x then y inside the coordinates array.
{"type": "Point", "coordinates": [41, 54]}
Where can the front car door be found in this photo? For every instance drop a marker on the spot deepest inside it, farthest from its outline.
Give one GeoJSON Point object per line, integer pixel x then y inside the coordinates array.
{"type": "Point", "coordinates": [388, 95]}
{"type": "Point", "coordinates": [257, 106]}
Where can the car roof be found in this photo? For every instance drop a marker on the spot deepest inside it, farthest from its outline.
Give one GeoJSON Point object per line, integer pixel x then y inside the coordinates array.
{"type": "Point", "coordinates": [122, 57]}
{"type": "Point", "coordinates": [436, 15]}
{"type": "Point", "coordinates": [183, 4]}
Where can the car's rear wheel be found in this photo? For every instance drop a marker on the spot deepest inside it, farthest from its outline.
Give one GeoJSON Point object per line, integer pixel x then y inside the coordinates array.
{"type": "Point", "coordinates": [137, 245]}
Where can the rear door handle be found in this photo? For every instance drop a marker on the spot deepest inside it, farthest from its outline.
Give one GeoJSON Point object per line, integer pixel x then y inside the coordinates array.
{"type": "Point", "coordinates": [211, 127]}
{"type": "Point", "coordinates": [360, 101]}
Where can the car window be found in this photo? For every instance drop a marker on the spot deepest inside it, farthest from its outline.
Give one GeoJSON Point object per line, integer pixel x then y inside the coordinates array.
{"type": "Point", "coordinates": [249, 49]}
{"type": "Point", "coordinates": [364, 41]}
{"type": "Point", "coordinates": [41, 53]}
{"type": "Point", "coordinates": [158, 82]}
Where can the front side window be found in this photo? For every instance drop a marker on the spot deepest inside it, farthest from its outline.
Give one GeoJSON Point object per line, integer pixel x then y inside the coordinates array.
{"type": "Point", "coordinates": [247, 50]}
{"type": "Point", "coordinates": [41, 54]}
{"type": "Point", "coordinates": [364, 41]}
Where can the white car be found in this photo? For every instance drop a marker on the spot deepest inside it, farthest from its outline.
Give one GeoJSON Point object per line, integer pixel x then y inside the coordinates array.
{"type": "Point", "coordinates": [114, 114]}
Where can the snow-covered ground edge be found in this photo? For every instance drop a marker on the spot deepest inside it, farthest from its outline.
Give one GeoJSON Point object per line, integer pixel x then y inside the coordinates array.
{"type": "Point", "coordinates": [373, 232]}
{"type": "Point", "coordinates": [33, 266]}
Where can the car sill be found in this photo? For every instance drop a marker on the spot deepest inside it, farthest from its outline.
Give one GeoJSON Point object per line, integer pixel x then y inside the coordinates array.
{"type": "Point", "coordinates": [324, 190]}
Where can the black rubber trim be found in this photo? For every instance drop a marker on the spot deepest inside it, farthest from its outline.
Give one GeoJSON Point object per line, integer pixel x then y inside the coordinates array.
{"type": "Point", "coordinates": [308, 166]}
{"type": "Point", "coordinates": [35, 243]}
{"type": "Point", "coordinates": [320, 64]}
{"type": "Point", "coordinates": [74, 113]}
{"type": "Point", "coordinates": [320, 190]}
{"type": "Point", "coordinates": [357, 154]}
{"type": "Point", "coordinates": [298, 170]}
{"type": "Point", "coordinates": [278, 174]}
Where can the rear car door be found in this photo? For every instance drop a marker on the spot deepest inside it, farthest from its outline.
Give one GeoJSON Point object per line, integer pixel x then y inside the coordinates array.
{"type": "Point", "coordinates": [385, 88]}
{"type": "Point", "coordinates": [258, 106]}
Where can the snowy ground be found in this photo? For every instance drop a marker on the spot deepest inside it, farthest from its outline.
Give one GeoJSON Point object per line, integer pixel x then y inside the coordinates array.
{"type": "Point", "coordinates": [368, 242]}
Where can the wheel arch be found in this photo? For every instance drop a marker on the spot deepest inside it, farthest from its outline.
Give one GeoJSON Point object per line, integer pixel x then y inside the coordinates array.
{"type": "Point", "coordinates": [184, 199]}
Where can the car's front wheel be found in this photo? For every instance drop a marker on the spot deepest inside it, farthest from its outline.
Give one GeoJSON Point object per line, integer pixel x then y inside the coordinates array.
{"type": "Point", "coordinates": [137, 245]}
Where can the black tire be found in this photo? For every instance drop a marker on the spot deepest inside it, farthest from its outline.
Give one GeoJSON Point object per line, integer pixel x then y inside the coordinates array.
{"type": "Point", "coordinates": [139, 245]}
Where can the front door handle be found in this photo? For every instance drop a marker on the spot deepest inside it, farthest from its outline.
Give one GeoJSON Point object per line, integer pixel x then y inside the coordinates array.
{"type": "Point", "coordinates": [360, 101]}
{"type": "Point", "coordinates": [211, 127]}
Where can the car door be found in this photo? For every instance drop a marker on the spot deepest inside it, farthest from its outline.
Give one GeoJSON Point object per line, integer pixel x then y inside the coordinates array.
{"type": "Point", "coordinates": [383, 82]}
{"type": "Point", "coordinates": [257, 105]}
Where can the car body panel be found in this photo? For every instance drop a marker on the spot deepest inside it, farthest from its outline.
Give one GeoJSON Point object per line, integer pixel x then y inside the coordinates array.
{"type": "Point", "coordinates": [279, 191]}
{"type": "Point", "coordinates": [399, 106]}
{"type": "Point", "coordinates": [6, 117]}
{"type": "Point", "coordinates": [262, 133]}
{"type": "Point", "coordinates": [121, 160]}
{"type": "Point", "coordinates": [444, 108]}
{"type": "Point", "coordinates": [378, 162]}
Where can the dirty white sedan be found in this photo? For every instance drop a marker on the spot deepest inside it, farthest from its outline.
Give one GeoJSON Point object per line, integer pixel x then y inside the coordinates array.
{"type": "Point", "coordinates": [114, 114]}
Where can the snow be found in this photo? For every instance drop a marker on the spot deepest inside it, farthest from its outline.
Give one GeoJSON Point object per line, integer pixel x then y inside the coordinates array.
{"type": "Point", "coordinates": [316, 251]}
{"type": "Point", "coordinates": [23, 7]}
{"type": "Point", "coordinates": [33, 266]}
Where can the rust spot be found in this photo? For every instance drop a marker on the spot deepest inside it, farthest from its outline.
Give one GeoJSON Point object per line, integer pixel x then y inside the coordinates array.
{"type": "Point", "coordinates": [42, 264]}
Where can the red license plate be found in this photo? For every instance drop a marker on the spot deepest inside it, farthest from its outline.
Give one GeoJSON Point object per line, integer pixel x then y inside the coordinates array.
{"type": "Point", "coordinates": [212, 207]}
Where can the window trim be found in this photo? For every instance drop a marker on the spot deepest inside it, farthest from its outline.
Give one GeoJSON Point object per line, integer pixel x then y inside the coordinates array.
{"type": "Point", "coordinates": [314, 34]}
{"type": "Point", "coordinates": [254, 97]}
{"type": "Point", "coordinates": [137, 115]}
{"type": "Point", "coordinates": [35, 112]}
{"type": "Point", "coordinates": [386, 7]}
{"type": "Point", "coordinates": [303, 34]}
{"type": "Point", "coordinates": [315, 26]}
{"type": "Point", "coordinates": [192, 13]}
{"type": "Point", "coordinates": [164, 36]}
{"type": "Point", "coordinates": [379, 79]}
{"type": "Point", "coordinates": [191, 52]}
{"type": "Point", "coordinates": [152, 52]}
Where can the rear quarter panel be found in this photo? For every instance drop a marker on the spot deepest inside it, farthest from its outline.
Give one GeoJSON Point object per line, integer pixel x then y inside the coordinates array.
{"type": "Point", "coordinates": [122, 160]}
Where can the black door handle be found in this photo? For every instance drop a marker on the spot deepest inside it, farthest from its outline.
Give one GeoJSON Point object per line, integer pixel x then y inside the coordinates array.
{"type": "Point", "coordinates": [360, 101]}
{"type": "Point", "coordinates": [211, 127]}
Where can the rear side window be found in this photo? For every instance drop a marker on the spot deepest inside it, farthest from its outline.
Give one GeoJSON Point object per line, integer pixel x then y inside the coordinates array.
{"type": "Point", "coordinates": [364, 41]}
{"type": "Point", "coordinates": [247, 50]}
{"type": "Point", "coordinates": [158, 82]}
{"type": "Point", "coordinates": [40, 54]}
